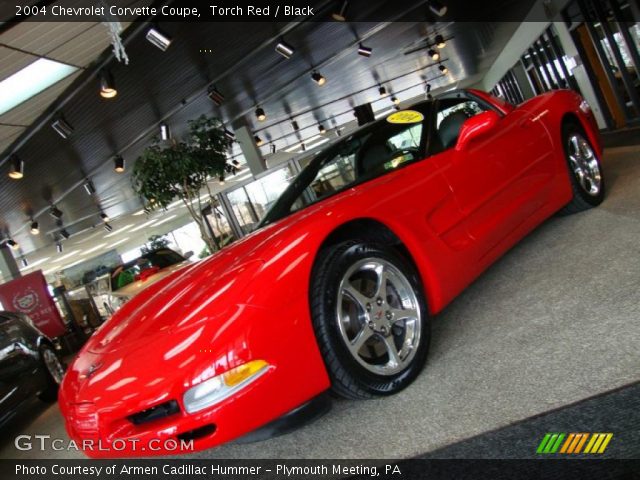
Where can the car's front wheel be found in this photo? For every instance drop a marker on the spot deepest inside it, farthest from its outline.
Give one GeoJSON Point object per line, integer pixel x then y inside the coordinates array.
{"type": "Point", "coordinates": [370, 318]}
{"type": "Point", "coordinates": [54, 371]}
{"type": "Point", "coordinates": [585, 170]}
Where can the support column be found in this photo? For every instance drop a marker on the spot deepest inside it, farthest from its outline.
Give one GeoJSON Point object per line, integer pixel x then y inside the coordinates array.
{"type": "Point", "coordinates": [250, 150]}
{"type": "Point", "coordinates": [8, 266]}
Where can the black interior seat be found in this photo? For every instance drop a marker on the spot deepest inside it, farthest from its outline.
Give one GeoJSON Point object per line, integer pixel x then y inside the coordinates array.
{"type": "Point", "coordinates": [373, 157]}
{"type": "Point", "coordinates": [450, 128]}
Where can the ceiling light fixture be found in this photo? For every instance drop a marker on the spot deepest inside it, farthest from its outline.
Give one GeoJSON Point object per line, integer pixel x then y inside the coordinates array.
{"type": "Point", "coordinates": [229, 134]}
{"type": "Point", "coordinates": [35, 228]}
{"type": "Point", "coordinates": [395, 100]}
{"type": "Point", "coordinates": [383, 91]}
{"type": "Point", "coordinates": [303, 147]}
{"type": "Point", "coordinates": [63, 128]}
{"type": "Point", "coordinates": [65, 234]}
{"type": "Point", "coordinates": [364, 51]}
{"type": "Point", "coordinates": [295, 125]}
{"type": "Point", "coordinates": [321, 129]}
{"type": "Point", "coordinates": [89, 187]}
{"type": "Point", "coordinates": [13, 244]}
{"type": "Point", "coordinates": [443, 69]}
{"type": "Point", "coordinates": [258, 140]}
{"type": "Point", "coordinates": [214, 94]}
{"type": "Point", "coordinates": [284, 49]}
{"type": "Point", "coordinates": [118, 164]}
{"type": "Point", "coordinates": [273, 148]}
{"type": "Point", "coordinates": [341, 14]}
{"type": "Point", "coordinates": [435, 56]}
{"type": "Point", "coordinates": [24, 261]}
{"type": "Point", "coordinates": [107, 85]}
{"type": "Point", "coordinates": [235, 162]}
{"type": "Point", "coordinates": [59, 248]}
{"type": "Point", "coordinates": [105, 218]}
{"type": "Point", "coordinates": [318, 78]}
{"type": "Point", "coordinates": [165, 132]}
{"type": "Point", "coordinates": [440, 43]}
{"type": "Point", "coordinates": [16, 169]}
{"type": "Point", "coordinates": [55, 212]}
{"type": "Point", "coordinates": [221, 179]}
{"type": "Point", "coordinates": [108, 227]}
{"type": "Point", "coordinates": [437, 8]}
{"type": "Point", "coordinates": [158, 38]}
{"type": "Point", "coordinates": [260, 115]}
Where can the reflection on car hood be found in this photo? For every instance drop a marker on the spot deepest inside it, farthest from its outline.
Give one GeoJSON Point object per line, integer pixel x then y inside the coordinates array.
{"type": "Point", "coordinates": [136, 287]}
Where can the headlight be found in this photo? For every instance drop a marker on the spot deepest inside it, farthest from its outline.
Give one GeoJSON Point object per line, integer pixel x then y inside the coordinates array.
{"type": "Point", "coordinates": [585, 107]}
{"type": "Point", "coordinates": [223, 386]}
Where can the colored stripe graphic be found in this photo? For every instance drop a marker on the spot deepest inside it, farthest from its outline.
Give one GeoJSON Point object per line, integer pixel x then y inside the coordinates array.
{"type": "Point", "coordinates": [574, 443]}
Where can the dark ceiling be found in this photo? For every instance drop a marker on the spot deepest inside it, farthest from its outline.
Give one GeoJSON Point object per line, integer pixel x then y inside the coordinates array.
{"type": "Point", "coordinates": [171, 86]}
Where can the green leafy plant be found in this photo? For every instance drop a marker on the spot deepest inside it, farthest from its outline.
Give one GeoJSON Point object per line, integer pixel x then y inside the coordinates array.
{"type": "Point", "coordinates": [156, 242]}
{"type": "Point", "coordinates": [181, 170]}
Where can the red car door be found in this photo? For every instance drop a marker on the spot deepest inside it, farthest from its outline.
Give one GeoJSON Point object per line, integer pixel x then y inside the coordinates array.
{"type": "Point", "coordinates": [501, 177]}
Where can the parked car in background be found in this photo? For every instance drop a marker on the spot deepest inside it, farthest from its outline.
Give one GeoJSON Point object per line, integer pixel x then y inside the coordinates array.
{"type": "Point", "coordinates": [29, 364]}
{"type": "Point", "coordinates": [130, 278]}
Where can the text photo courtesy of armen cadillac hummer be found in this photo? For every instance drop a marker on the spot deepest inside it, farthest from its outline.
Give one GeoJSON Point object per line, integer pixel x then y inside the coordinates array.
{"type": "Point", "coordinates": [320, 239]}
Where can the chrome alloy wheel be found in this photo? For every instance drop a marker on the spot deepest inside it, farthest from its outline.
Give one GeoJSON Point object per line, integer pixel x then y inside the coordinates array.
{"type": "Point", "coordinates": [53, 365]}
{"type": "Point", "coordinates": [584, 164]}
{"type": "Point", "coordinates": [379, 316]}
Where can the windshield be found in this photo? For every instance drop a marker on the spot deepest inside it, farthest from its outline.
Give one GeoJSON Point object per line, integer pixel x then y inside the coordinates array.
{"type": "Point", "coordinates": [142, 267]}
{"type": "Point", "coordinates": [368, 153]}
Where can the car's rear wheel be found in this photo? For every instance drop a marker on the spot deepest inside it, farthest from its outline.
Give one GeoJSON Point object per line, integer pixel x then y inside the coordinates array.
{"type": "Point", "coordinates": [54, 370]}
{"type": "Point", "coordinates": [585, 170]}
{"type": "Point", "coordinates": [370, 318]}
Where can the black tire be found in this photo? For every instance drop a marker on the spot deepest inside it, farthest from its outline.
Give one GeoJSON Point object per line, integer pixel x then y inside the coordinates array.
{"type": "Point", "coordinates": [349, 378]}
{"type": "Point", "coordinates": [50, 392]}
{"type": "Point", "coordinates": [581, 199]}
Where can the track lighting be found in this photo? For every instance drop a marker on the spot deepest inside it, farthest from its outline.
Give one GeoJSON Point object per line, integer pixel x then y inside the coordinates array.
{"type": "Point", "coordinates": [59, 248]}
{"type": "Point", "coordinates": [260, 115]}
{"type": "Point", "coordinates": [165, 132]}
{"type": "Point", "coordinates": [321, 129]}
{"type": "Point", "coordinates": [13, 244]}
{"type": "Point", "coordinates": [118, 164]}
{"type": "Point", "coordinates": [383, 91]}
{"type": "Point", "coordinates": [16, 169]}
{"type": "Point", "coordinates": [364, 51]}
{"type": "Point", "coordinates": [273, 148]}
{"type": "Point", "coordinates": [395, 100]}
{"type": "Point", "coordinates": [55, 212]}
{"type": "Point", "coordinates": [105, 218]}
{"type": "Point", "coordinates": [258, 140]}
{"type": "Point", "coordinates": [295, 125]}
{"type": "Point", "coordinates": [108, 227]}
{"type": "Point", "coordinates": [318, 78]}
{"type": "Point", "coordinates": [284, 49]}
{"type": "Point", "coordinates": [443, 69]}
{"type": "Point", "coordinates": [63, 128]}
{"type": "Point", "coordinates": [437, 7]}
{"type": "Point", "coordinates": [235, 162]}
{"type": "Point", "coordinates": [440, 43]}
{"type": "Point", "coordinates": [65, 234]}
{"type": "Point", "coordinates": [435, 56]}
{"type": "Point", "coordinates": [107, 85]}
{"type": "Point", "coordinates": [303, 147]}
{"type": "Point", "coordinates": [35, 228]}
{"type": "Point", "coordinates": [341, 14]}
{"type": "Point", "coordinates": [229, 134]}
{"type": "Point", "coordinates": [146, 210]}
{"type": "Point", "coordinates": [89, 187]}
{"type": "Point", "coordinates": [221, 180]}
{"type": "Point", "coordinates": [24, 261]}
{"type": "Point", "coordinates": [428, 87]}
{"type": "Point", "coordinates": [214, 94]}
{"type": "Point", "coordinates": [158, 38]}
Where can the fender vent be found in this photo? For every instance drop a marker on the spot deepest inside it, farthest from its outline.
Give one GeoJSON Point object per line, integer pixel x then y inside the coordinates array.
{"type": "Point", "coordinates": [155, 413]}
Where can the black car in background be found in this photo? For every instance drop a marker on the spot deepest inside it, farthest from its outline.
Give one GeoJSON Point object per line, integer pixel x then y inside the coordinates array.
{"type": "Point", "coordinates": [29, 364]}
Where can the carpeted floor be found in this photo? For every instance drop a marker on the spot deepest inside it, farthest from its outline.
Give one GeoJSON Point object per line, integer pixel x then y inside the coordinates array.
{"type": "Point", "coordinates": [554, 322]}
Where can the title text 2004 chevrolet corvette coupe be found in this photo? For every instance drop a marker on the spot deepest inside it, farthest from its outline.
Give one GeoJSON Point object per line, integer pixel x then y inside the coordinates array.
{"type": "Point", "coordinates": [336, 288]}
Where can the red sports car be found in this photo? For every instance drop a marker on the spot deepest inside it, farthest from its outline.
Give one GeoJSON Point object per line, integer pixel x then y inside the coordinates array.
{"type": "Point", "coordinates": [336, 289]}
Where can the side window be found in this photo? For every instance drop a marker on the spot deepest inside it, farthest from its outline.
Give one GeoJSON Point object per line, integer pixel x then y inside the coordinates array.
{"type": "Point", "coordinates": [452, 113]}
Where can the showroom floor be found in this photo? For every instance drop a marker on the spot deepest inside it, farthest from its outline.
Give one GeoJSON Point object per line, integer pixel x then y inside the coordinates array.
{"type": "Point", "coordinates": [554, 322]}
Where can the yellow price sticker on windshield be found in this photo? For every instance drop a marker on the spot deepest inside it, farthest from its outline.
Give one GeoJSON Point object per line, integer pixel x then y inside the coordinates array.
{"type": "Point", "coordinates": [405, 116]}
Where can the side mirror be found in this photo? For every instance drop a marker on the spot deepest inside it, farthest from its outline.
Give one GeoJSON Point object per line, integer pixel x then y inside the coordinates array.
{"type": "Point", "coordinates": [476, 126]}
{"type": "Point", "coordinates": [188, 255]}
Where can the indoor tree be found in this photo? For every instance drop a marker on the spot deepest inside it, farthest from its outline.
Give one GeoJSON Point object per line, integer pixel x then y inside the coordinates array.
{"type": "Point", "coordinates": [180, 169]}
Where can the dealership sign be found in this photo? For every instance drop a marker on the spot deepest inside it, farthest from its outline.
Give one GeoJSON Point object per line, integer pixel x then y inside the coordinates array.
{"type": "Point", "coordinates": [29, 295]}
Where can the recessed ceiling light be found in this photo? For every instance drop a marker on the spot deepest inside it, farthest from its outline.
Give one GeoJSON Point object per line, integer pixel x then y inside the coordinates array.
{"type": "Point", "coordinates": [30, 81]}
{"type": "Point", "coordinates": [364, 51]}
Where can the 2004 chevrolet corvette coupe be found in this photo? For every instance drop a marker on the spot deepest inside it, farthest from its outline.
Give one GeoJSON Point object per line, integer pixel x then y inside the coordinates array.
{"type": "Point", "coordinates": [335, 289]}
